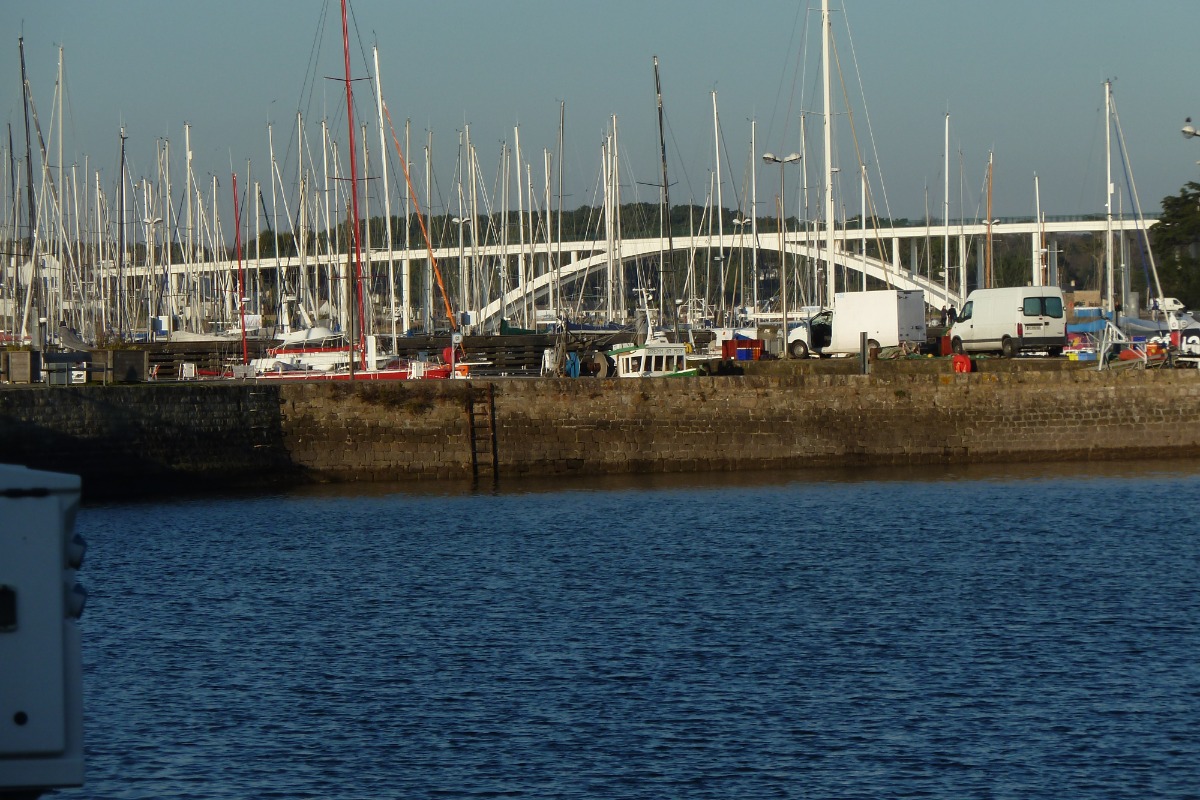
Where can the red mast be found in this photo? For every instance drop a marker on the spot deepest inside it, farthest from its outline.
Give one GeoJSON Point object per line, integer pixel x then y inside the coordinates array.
{"type": "Point", "coordinates": [354, 190]}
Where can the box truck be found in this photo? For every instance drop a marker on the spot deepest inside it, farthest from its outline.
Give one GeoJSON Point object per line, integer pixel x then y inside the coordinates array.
{"type": "Point", "coordinates": [1011, 320]}
{"type": "Point", "coordinates": [889, 317]}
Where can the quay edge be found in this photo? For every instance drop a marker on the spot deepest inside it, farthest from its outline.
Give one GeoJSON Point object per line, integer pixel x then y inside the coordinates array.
{"type": "Point", "coordinates": [155, 438]}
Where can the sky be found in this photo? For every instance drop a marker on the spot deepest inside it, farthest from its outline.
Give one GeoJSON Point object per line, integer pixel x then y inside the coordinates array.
{"type": "Point", "coordinates": [1022, 80]}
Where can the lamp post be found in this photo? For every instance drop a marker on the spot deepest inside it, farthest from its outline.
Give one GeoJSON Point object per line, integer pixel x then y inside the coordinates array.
{"type": "Point", "coordinates": [771, 158]}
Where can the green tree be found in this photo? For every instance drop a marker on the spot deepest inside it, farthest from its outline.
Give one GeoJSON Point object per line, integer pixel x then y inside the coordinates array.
{"type": "Point", "coordinates": [1176, 240]}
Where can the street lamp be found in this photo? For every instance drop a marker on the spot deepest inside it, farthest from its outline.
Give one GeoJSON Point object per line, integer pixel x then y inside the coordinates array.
{"type": "Point", "coordinates": [771, 158]}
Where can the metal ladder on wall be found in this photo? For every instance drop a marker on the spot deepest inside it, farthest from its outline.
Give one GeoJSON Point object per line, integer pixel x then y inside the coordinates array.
{"type": "Point", "coordinates": [481, 420]}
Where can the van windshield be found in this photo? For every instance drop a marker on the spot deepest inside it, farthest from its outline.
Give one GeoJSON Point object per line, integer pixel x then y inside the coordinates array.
{"type": "Point", "coordinates": [965, 314]}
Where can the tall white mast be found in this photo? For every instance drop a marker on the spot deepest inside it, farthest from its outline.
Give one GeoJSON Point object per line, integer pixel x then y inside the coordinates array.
{"type": "Point", "coordinates": [606, 173]}
{"type": "Point", "coordinates": [616, 177]}
{"type": "Point", "coordinates": [946, 212]}
{"type": "Point", "coordinates": [553, 296]}
{"type": "Point", "coordinates": [406, 267]}
{"type": "Point", "coordinates": [521, 265]}
{"type": "Point", "coordinates": [1108, 196]}
{"type": "Point", "coordinates": [754, 211]}
{"type": "Point", "coordinates": [100, 250]}
{"type": "Point", "coordinates": [532, 246]}
{"type": "Point", "coordinates": [720, 208]}
{"type": "Point", "coordinates": [1038, 250]}
{"type": "Point", "coordinates": [366, 325]}
{"type": "Point", "coordinates": [804, 216]}
{"type": "Point", "coordinates": [863, 219]}
{"type": "Point", "coordinates": [506, 162]}
{"type": "Point", "coordinates": [429, 259]}
{"type": "Point", "coordinates": [387, 204]}
{"type": "Point", "coordinates": [473, 278]}
{"type": "Point", "coordinates": [282, 317]}
{"type": "Point", "coordinates": [258, 306]}
{"type": "Point", "coordinates": [830, 271]}
{"type": "Point", "coordinates": [168, 220]}
{"type": "Point", "coordinates": [62, 233]}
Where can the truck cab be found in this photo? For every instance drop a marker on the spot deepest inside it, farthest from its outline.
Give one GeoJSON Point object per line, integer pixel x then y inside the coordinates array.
{"type": "Point", "coordinates": [810, 335]}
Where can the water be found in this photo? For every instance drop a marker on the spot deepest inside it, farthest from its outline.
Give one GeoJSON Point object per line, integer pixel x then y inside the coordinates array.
{"type": "Point", "coordinates": [1023, 633]}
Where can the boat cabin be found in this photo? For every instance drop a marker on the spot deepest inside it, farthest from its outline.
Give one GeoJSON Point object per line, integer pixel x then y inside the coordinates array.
{"type": "Point", "coordinates": [651, 360]}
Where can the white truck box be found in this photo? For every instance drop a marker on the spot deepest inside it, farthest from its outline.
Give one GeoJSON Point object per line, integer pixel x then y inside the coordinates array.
{"type": "Point", "coordinates": [890, 317]}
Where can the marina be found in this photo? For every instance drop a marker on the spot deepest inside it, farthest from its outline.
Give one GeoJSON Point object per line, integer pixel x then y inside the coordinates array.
{"type": "Point", "coordinates": [530, 400]}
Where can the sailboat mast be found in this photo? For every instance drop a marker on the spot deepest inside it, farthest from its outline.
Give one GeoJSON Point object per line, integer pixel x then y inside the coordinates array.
{"type": "Point", "coordinates": [121, 238]}
{"type": "Point", "coordinates": [241, 277]}
{"type": "Point", "coordinates": [35, 277]}
{"type": "Point", "coordinates": [754, 210]}
{"type": "Point", "coordinates": [666, 199]}
{"type": "Point", "coordinates": [521, 265]}
{"type": "Point", "coordinates": [1108, 195]}
{"type": "Point", "coordinates": [387, 206]}
{"type": "Point", "coordinates": [429, 262]}
{"type": "Point", "coordinates": [827, 98]}
{"type": "Point", "coordinates": [720, 209]}
{"type": "Point", "coordinates": [617, 234]}
{"type": "Point", "coordinates": [987, 275]}
{"type": "Point", "coordinates": [562, 121]}
{"type": "Point", "coordinates": [355, 302]}
{"type": "Point", "coordinates": [1038, 236]}
{"type": "Point", "coordinates": [946, 212]}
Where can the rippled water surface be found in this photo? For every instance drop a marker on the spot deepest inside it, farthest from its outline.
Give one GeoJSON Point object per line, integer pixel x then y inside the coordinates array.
{"type": "Point", "coordinates": [967, 634]}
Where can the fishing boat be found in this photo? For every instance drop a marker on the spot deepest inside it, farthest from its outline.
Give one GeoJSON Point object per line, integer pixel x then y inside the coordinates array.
{"type": "Point", "coordinates": [654, 359]}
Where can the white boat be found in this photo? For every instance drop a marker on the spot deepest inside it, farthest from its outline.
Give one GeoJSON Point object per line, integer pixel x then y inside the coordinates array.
{"type": "Point", "coordinates": [317, 349]}
{"type": "Point", "coordinates": [654, 359]}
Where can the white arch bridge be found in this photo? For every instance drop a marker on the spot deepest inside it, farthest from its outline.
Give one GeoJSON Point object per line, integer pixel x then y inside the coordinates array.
{"type": "Point", "coordinates": [536, 275]}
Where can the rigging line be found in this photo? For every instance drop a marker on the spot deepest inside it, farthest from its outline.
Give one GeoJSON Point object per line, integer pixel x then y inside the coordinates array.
{"type": "Point", "coordinates": [421, 221]}
{"type": "Point", "coordinates": [867, 115]}
{"type": "Point", "coordinates": [309, 84]}
{"type": "Point", "coordinates": [728, 160]}
{"type": "Point", "coordinates": [800, 60]}
{"type": "Point", "coordinates": [687, 181]}
{"type": "Point", "coordinates": [582, 281]}
{"type": "Point", "coordinates": [866, 185]}
{"type": "Point", "coordinates": [1147, 253]}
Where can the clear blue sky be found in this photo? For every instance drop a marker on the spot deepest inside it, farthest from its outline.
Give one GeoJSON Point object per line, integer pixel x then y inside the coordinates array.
{"type": "Point", "coordinates": [1022, 78]}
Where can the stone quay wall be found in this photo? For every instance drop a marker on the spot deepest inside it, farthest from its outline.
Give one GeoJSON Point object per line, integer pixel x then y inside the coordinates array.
{"type": "Point", "coordinates": [152, 437]}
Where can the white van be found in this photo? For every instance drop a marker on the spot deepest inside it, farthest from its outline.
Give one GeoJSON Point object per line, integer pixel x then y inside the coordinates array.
{"type": "Point", "coordinates": [1011, 320]}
